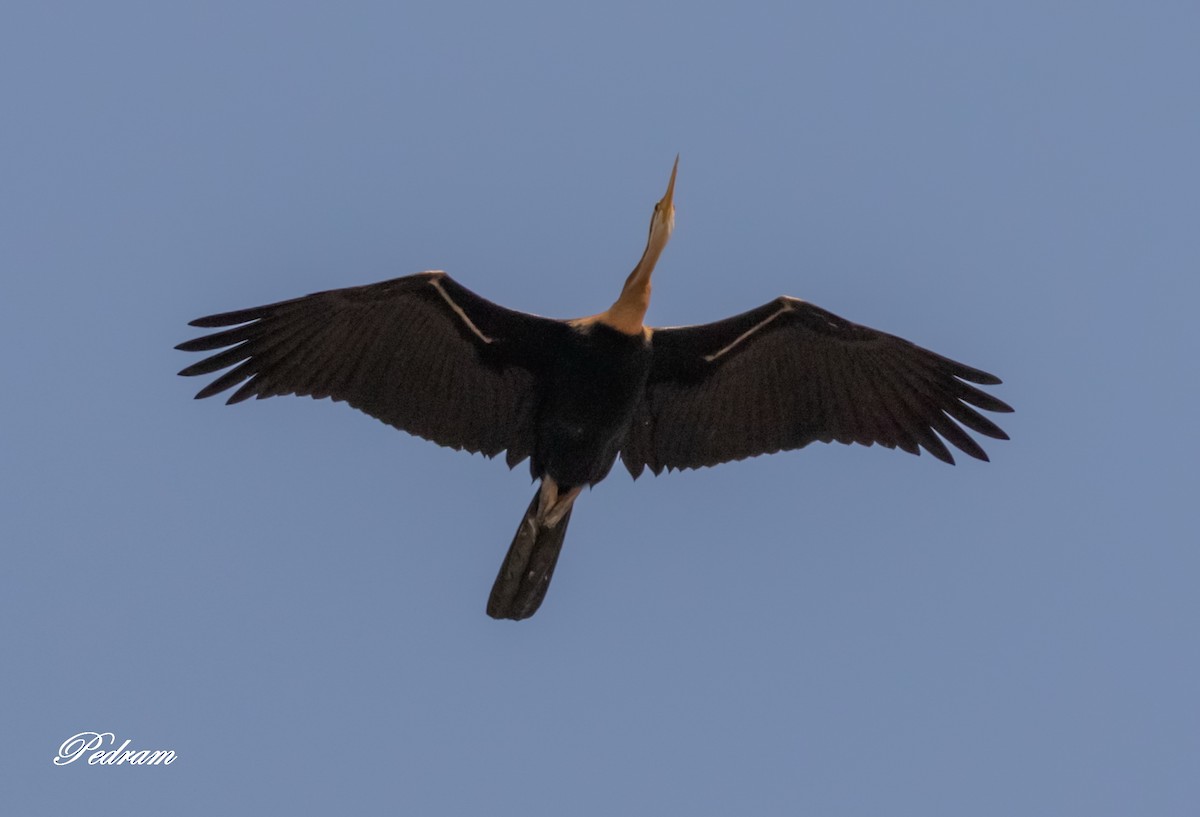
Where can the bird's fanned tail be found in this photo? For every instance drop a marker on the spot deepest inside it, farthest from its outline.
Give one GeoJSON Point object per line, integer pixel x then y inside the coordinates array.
{"type": "Point", "coordinates": [525, 574]}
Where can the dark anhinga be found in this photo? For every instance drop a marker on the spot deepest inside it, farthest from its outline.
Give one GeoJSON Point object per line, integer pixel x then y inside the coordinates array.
{"type": "Point", "coordinates": [430, 357]}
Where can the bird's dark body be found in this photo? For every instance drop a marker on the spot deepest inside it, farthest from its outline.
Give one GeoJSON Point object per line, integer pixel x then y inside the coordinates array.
{"type": "Point", "coordinates": [592, 386]}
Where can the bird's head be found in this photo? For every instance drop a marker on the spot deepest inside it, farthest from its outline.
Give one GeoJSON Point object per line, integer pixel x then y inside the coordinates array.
{"type": "Point", "coordinates": [663, 220]}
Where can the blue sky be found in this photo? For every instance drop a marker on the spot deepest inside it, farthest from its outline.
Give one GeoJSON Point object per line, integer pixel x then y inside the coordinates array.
{"type": "Point", "coordinates": [290, 595]}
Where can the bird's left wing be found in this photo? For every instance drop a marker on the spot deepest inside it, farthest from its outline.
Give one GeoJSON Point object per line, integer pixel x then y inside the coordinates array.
{"type": "Point", "coordinates": [789, 373]}
{"type": "Point", "coordinates": [421, 353]}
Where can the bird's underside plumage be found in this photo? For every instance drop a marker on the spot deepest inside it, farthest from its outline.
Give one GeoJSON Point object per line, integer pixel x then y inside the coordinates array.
{"type": "Point", "coordinates": [428, 356]}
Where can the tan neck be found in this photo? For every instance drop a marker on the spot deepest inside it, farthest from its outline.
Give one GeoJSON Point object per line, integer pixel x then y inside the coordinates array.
{"type": "Point", "coordinates": [628, 312]}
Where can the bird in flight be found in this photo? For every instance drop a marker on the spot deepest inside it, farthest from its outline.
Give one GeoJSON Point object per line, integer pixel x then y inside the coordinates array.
{"type": "Point", "coordinates": [425, 354]}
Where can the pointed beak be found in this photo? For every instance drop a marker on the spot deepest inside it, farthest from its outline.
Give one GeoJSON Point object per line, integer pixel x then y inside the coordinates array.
{"type": "Point", "coordinates": [668, 199]}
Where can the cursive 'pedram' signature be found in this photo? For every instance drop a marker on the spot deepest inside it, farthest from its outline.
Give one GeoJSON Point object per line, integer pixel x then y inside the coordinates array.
{"type": "Point", "coordinates": [76, 746]}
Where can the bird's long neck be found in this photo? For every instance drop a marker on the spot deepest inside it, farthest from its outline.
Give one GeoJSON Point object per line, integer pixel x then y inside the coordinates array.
{"type": "Point", "coordinates": [628, 312]}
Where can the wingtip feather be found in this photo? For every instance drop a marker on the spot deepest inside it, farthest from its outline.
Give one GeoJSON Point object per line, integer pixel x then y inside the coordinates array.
{"type": "Point", "coordinates": [238, 316]}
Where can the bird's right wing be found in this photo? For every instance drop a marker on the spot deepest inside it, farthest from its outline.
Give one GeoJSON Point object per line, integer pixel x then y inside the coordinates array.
{"type": "Point", "coordinates": [421, 353]}
{"type": "Point", "coordinates": [789, 373]}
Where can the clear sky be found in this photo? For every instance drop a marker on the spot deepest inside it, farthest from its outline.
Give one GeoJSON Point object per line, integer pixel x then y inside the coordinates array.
{"type": "Point", "coordinates": [290, 595]}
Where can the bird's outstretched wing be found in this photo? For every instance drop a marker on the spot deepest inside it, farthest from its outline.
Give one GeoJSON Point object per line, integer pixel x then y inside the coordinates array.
{"type": "Point", "coordinates": [421, 353]}
{"type": "Point", "coordinates": [789, 373]}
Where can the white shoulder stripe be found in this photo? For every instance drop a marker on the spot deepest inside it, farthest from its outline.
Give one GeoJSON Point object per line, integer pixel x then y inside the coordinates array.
{"type": "Point", "coordinates": [785, 307]}
{"type": "Point", "coordinates": [437, 284]}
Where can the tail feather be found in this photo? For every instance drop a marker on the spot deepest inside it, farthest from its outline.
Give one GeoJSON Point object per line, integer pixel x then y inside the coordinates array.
{"type": "Point", "coordinates": [525, 574]}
